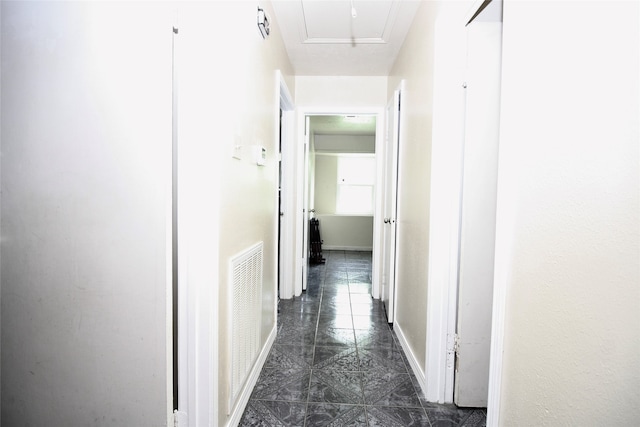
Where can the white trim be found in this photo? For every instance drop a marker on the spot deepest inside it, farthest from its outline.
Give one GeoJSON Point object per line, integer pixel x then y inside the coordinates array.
{"type": "Point", "coordinates": [179, 419]}
{"type": "Point", "coordinates": [444, 238]}
{"type": "Point", "coordinates": [501, 278]}
{"type": "Point", "coordinates": [298, 241]}
{"type": "Point", "coordinates": [497, 350]}
{"type": "Point", "coordinates": [287, 243]}
{"type": "Point", "coordinates": [505, 215]}
{"type": "Point", "coordinates": [378, 236]}
{"type": "Point", "coordinates": [244, 396]}
{"type": "Point", "coordinates": [198, 267]}
{"type": "Point", "coordinates": [306, 214]}
{"type": "Point", "coordinates": [413, 360]}
{"type": "Point", "coordinates": [169, 228]}
{"type": "Point", "coordinates": [285, 98]}
{"type": "Point", "coordinates": [445, 205]}
{"type": "Point", "coordinates": [400, 99]}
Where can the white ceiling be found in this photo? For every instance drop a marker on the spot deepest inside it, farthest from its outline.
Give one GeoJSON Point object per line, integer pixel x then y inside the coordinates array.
{"type": "Point", "coordinates": [322, 37]}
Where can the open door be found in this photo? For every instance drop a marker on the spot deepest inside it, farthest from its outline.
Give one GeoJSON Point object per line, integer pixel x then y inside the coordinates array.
{"type": "Point", "coordinates": [478, 208]}
{"type": "Point", "coordinates": [392, 139]}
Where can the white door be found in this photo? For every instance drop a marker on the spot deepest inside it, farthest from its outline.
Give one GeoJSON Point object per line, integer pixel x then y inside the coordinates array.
{"type": "Point", "coordinates": [305, 206]}
{"type": "Point", "coordinates": [478, 214]}
{"type": "Point", "coordinates": [392, 134]}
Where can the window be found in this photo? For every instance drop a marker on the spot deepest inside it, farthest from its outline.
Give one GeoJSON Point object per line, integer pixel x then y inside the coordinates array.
{"type": "Point", "coordinates": [356, 180]}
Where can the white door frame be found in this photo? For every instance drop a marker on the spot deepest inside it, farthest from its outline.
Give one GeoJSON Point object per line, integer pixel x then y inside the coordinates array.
{"type": "Point", "coordinates": [303, 112]}
{"type": "Point", "coordinates": [288, 224]}
{"type": "Point", "coordinates": [306, 215]}
{"type": "Point", "coordinates": [445, 205]}
{"type": "Point", "coordinates": [446, 173]}
{"type": "Point", "coordinates": [198, 266]}
{"type": "Point", "coordinates": [389, 201]}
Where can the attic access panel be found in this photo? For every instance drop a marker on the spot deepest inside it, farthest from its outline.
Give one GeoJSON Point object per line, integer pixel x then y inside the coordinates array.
{"type": "Point", "coordinates": [331, 21]}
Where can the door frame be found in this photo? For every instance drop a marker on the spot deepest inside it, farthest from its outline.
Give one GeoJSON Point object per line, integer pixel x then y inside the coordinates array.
{"type": "Point", "coordinates": [302, 113]}
{"type": "Point", "coordinates": [447, 161]}
{"type": "Point", "coordinates": [393, 121]}
{"type": "Point", "coordinates": [287, 248]}
{"type": "Point", "coordinates": [306, 214]}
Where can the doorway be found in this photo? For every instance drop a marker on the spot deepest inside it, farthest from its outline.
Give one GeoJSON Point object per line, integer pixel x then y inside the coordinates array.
{"type": "Point", "coordinates": [390, 204]}
{"type": "Point", "coordinates": [285, 199]}
{"type": "Point", "coordinates": [478, 208]}
{"type": "Point", "coordinates": [464, 189]}
{"type": "Point", "coordinates": [341, 184]}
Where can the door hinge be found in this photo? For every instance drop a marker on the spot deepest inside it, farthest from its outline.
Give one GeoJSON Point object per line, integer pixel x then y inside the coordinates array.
{"type": "Point", "coordinates": [180, 419]}
{"type": "Point", "coordinates": [453, 343]}
{"type": "Point", "coordinates": [452, 348]}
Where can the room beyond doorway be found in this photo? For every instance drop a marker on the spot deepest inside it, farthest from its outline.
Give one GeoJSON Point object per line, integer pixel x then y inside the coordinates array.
{"type": "Point", "coordinates": [341, 174]}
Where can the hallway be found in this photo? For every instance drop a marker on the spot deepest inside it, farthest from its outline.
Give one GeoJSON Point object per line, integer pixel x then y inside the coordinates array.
{"type": "Point", "coordinates": [336, 362]}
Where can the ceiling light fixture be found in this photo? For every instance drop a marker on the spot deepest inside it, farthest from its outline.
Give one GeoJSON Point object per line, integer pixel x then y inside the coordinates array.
{"type": "Point", "coordinates": [358, 119]}
{"type": "Point", "coordinates": [354, 14]}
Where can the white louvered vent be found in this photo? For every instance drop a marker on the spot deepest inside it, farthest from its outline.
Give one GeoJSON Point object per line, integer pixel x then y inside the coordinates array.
{"type": "Point", "coordinates": [245, 316]}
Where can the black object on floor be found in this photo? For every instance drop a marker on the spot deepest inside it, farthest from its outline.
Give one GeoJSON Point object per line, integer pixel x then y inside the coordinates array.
{"type": "Point", "coordinates": [315, 241]}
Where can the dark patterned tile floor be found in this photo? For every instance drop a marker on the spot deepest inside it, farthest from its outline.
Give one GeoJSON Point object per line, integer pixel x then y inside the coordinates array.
{"type": "Point", "coordinates": [336, 361]}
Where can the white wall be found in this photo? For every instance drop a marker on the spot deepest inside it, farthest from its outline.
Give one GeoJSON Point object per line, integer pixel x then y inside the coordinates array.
{"type": "Point", "coordinates": [234, 70]}
{"type": "Point", "coordinates": [346, 232]}
{"type": "Point", "coordinates": [339, 232]}
{"type": "Point", "coordinates": [326, 185]}
{"type": "Point", "coordinates": [415, 65]}
{"type": "Point", "coordinates": [336, 93]}
{"type": "Point", "coordinates": [568, 214]}
{"type": "Point", "coordinates": [86, 145]}
{"type": "Point", "coordinates": [345, 143]}
{"type": "Point", "coordinates": [86, 172]}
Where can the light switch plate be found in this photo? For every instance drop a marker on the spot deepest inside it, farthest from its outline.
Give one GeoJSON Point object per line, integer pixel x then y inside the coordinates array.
{"type": "Point", "coordinates": [260, 155]}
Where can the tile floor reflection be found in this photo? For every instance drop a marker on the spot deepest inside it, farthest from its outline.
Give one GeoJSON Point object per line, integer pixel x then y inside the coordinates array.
{"type": "Point", "coordinates": [336, 362]}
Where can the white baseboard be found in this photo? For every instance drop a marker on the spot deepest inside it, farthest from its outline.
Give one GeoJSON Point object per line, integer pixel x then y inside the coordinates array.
{"type": "Point", "coordinates": [413, 361]}
{"type": "Point", "coordinates": [241, 404]}
{"type": "Point", "coordinates": [347, 248]}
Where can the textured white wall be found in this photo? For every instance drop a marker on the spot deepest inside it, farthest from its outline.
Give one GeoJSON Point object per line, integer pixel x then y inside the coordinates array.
{"type": "Point", "coordinates": [568, 217]}
{"type": "Point", "coordinates": [334, 92]}
{"type": "Point", "coordinates": [86, 146]}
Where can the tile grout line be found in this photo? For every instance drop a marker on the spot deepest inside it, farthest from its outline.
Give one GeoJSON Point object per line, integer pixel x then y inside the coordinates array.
{"type": "Point", "coordinates": [315, 337]}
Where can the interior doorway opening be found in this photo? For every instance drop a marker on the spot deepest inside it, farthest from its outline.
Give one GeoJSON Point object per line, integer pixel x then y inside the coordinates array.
{"type": "Point", "coordinates": [285, 198]}
{"type": "Point", "coordinates": [463, 199]}
{"type": "Point", "coordinates": [340, 190]}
